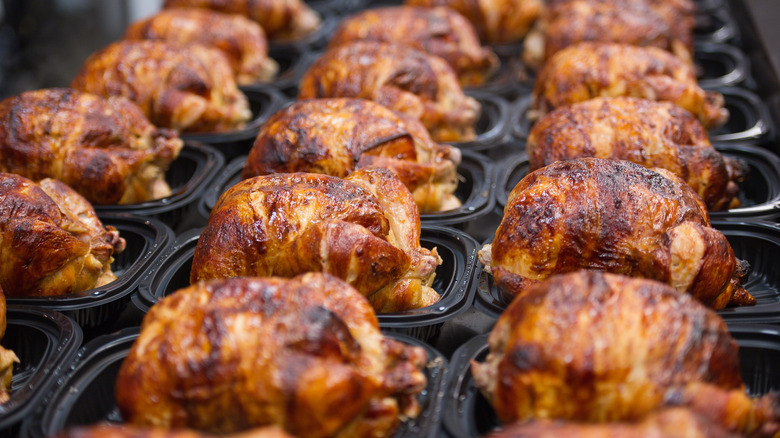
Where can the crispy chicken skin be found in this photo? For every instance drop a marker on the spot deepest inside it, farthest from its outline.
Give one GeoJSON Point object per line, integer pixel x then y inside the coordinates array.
{"type": "Point", "coordinates": [51, 240]}
{"type": "Point", "coordinates": [496, 21]}
{"type": "Point", "coordinates": [335, 136]}
{"type": "Point", "coordinates": [105, 149]}
{"type": "Point", "coordinates": [191, 89]}
{"type": "Point", "coordinates": [125, 431]}
{"type": "Point", "coordinates": [304, 353]}
{"type": "Point", "coordinates": [7, 357]}
{"type": "Point", "coordinates": [241, 40]}
{"type": "Point", "coordinates": [587, 70]}
{"type": "Point", "coordinates": [615, 216]}
{"type": "Point", "coordinates": [364, 229]}
{"type": "Point", "coordinates": [650, 133]}
{"type": "Point", "coordinates": [597, 347]}
{"type": "Point", "coordinates": [399, 77]}
{"type": "Point", "coordinates": [280, 19]}
{"type": "Point", "coordinates": [440, 31]}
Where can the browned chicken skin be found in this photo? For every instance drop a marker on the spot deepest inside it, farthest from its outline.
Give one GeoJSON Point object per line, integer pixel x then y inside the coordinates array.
{"type": "Point", "coordinates": [188, 88]}
{"type": "Point", "coordinates": [440, 31]}
{"type": "Point", "coordinates": [7, 357]}
{"type": "Point", "coordinates": [305, 354]}
{"type": "Point", "coordinates": [280, 19]}
{"type": "Point", "coordinates": [597, 347]}
{"type": "Point", "coordinates": [239, 38]}
{"type": "Point", "coordinates": [653, 134]}
{"type": "Point", "coordinates": [615, 216]}
{"type": "Point", "coordinates": [399, 77]}
{"type": "Point", "coordinates": [587, 70]}
{"type": "Point", "coordinates": [125, 431]}
{"type": "Point", "coordinates": [338, 135]}
{"type": "Point", "coordinates": [364, 229]}
{"type": "Point", "coordinates": [105, 149]}
{"type": "Point", "coordinates": [496, 21]}
{"type": "Point", "coordinates": [51, 241]}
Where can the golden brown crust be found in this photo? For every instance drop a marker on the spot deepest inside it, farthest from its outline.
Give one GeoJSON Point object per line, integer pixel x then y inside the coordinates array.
{"type": "Point", "coordinates": [399, 77]}
{"type": "Point", "coordinates": [336, 136]}
{"type": "Point", "coordinates": [615, 216]}
{"type": "Point", "coordinates": [188, 88]}
{"type": "Point", "coordinates": [305, 354]}
{"type": "Point", "coordinates": [240, 39]}
{"type": "Point", "coordinates": [653, 134]}
{"type": "Point", "coordinates": [440, 31]}
{"type": "Point", "coordinates": [105, 149]}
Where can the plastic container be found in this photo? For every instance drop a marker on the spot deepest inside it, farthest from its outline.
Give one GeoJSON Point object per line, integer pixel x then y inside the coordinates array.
{"type": "Point", "coordinates": [492, 125]}
{"type": "Point", "coordinates": [264, 102]}
{"type": "Point", "coordinates": [511, 80]}
{"type": "Point", "coordinates": [756, 242]}
{"type": "Point", "coordinates": [293, 62]}
{"type": "Point", "coordinates": [720, 65]}
{"type": "Point", "coordinates": [45, 342]}
{"type": "Point", "coordinates": [716, 25]}
{"type": "Point", "coordinates": [468, 414]}
{"type": "Point", "coordinates": [453, 281]}
{"type": "Point", "coordinates": [315, 40]}
{"type": "Point", "coordinates": [147, 239]}
{"type": "Point", "coordinates": [86, 396]}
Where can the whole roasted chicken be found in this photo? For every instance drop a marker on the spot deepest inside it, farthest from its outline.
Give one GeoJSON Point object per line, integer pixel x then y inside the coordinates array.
{"type": "Point", "coordinates": [399, 77]}
{"type": "Point", "coordinates": [125, 431]}
{"type": "Point", "coordinates": [7, 357]}
{"type": "Point", "coordinates": [51, 240]}
{"type": "Point", "coordinates": [280, 19]}
{"type": "Point", "coordinates": [304, 353]}
{"type": "Point", "coordinates": [335, 136]}
{"type": "Point", "coordinates": [440, 31]}
{"type": "Point", "coordinates": [240, 39]}
{"type": "Point", "coordinates": [587, 70]}
{"type": "Point", "coordinates": [105, 149]}
{"type": "Point", "coordinates": [191, 89]}
{"type": "Point", "coordinates": [364, 229]}
{"type": "Point", "coordinates": [618, 217]}
{"type": "Point", "coordinates": [496, 21]}
{"type": "Point", "coordinates": [590, 346]}
{"type": "Point", "coordinates": [650, 133]}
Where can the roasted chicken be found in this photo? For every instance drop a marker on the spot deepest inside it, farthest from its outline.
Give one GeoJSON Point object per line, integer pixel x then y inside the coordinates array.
{"type": "Point", "coordinates": [305, 354]}
{"type": "Point", "coordinates": [335, 136]}
{"type": "Point", "coordinates": [650, 133]}
{"type": "Point", "coordinates": [587, 70]}
{"type": "Point", "coordinates": [618, 217]}
{"type": "Point", "coordinates": [105, 149]}
{"type": "Point", "coordinates": [7, 357]}
{"type": "Point", "coordinates": [399, 77]}
{"type": "Point", "coordinates": [440, 31]}
{"type": "Point", "coordinates": [496, 21]}
{"type": "Point", "coordinates": [280, 19]}
{"type": "Point", "coordinates": [124, 431]}
{"type": "Point", "coordinates": [597, 347]}
{"type": "Point", "coordinates": [364, 229]}
{"type": "Point", "coordinates": [51, 240]}
{"type": "Point", "coordinates": [190, 88]}
{"type": "Point", "coordinates": [239, 38]}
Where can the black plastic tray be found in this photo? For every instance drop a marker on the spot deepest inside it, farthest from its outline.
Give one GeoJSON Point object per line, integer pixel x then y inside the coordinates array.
{"type": "Point", "coordinates": [147, 239]}
{"type": "Point", "coordinates": [716, 24]}
{"type": "Point", "coordinates": [315, 40]}
{"type": "Point", "coordinates": [453, 281]}
{"type": "Point", "coordinates": [720, 65]}
{"type": "Point", "coordinates": [45, 342]}
{"type": "Point", "coordinates": [757, 242]}
{"type": "Point", "coordinates": [492, 125]}
{"type": "Point", "coordinates": [468, 414]}
{"type": "Point", "coordinates": [86, 396]}
{"type": "Point", "coordinates": [264, 100]}
{"type": "Point", "coordinates": [759, 193]}
{"type": "Point", "coordinates": [511, 80]}
{"type": "Point", "coordinates": [188, 176]}
{"type": "Point", "coordinates": [293, 62]}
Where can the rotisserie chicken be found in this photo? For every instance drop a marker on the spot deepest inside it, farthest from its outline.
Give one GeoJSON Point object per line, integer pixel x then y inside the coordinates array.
{"type": "Point", "coordinates": [125, 431]}
{"type": "Point", "coordinates": [105, 149]}
{"type": "Point", "coordinates": [496, 21]}
{"type": "Point", "coordinates": [7, 357]}
{"type": "Point", "coordinates": [650, 133]}
{"type": "Point", "coordinates": [399, 77]}
{"type": "Point", "coordinates": [440, 31]}
{"type": "Point", "coordinates": [239, 38]}
{"type": "Point", "coordinates": [615, 216]}
{"type": "Point", "coordinates": [364, 229]}
{"type": "Point", "coordinates": [305, 354]}
{"type": "Point", "coordinates": [335, 136]}
{"type": "Point", "coordinates": [51, 240]}
{"type": "Point", "coordinates": [191, 89]}
{"type": "Point", "coordinates": [587, 70]}
{"type": "Point", "coordinates": [281, 20]}
{"type": "Point", "coordinates": [597, 347]}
